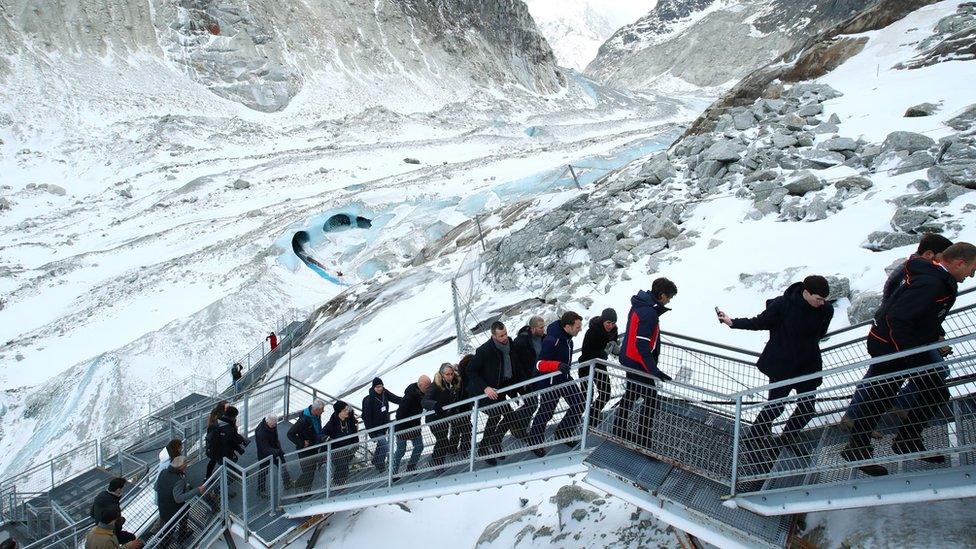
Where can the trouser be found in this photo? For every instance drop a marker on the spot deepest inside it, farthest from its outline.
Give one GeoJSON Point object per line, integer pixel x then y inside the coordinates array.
{"type": "Point", "coordinates": [211, 465]}
{"type": "Point", "coordinates": [447, 437]}
{"type": "Point", "coordinates": [417, 443]}
{"type": "Point", "coordinates": [499, 421]}
{"type": "Point", "coordinates": [308, 462]}
{"type": "Point", "coordinates": [547, 407]}
{"type": "Point", "coordinates": [805, 407]}
{"type": "Point", "coordinates": [522, 417]}
{"type": "Point", "coordinates": [907, 397]}
{"type": "Point", "coordinates": [279, 461]}
{"type": "Point", "coordinates": [930, 394]}
{"type": "Point", "coordinates": [601, 392]}
{"type": "Point", "coordinates": [461, 431]}
{"type": "Point", "coordinates": [382, 449]}
{"type": "Point", "coordinates": [340, 464]}
{"type": "Point", "coordinates": [645, 390]}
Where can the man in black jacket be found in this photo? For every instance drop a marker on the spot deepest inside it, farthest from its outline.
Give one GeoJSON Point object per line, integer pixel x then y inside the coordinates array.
{"type": "Point", "coordinates": [797, 321]}
{"type": "Point", "coordinates": [268, 444]}
{"type": "Point", "coordinates": [376, 413]}
{"type": "Point", "coordinates": [598, 342]}
{"type": "Point", "coordinates": [912, 317]}
{"type": "Point", "coordinates": [489, 373]}
{"type": "Point", "coordinates": [525, 353]}
{"type": "Point", "coordinates": [229, 442]}
{"type": "Point", "coordinates": [412, 405]}
{"type": "Point", "coordinates": [109, 499]}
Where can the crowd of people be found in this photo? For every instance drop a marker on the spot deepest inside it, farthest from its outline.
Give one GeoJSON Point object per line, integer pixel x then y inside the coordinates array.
{"type": "Point", "coordinates": [917, 297]}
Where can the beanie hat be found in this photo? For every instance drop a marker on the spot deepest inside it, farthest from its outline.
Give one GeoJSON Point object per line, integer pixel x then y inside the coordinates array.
{"type": "Point", "coordinates": [816, 284]}
{"type": "Point", "coordinates": [376, 381]}
{"type": "Point", "coordinates": [608, 315]}
{"type": "Point", "coordinates": [340, 406]}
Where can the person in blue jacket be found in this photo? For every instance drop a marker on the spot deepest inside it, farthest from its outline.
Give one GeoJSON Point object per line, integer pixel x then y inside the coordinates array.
{"type": "Point", "coordinates": [639, 352]}
{"type": "Point", "coordinates": [555, 356]}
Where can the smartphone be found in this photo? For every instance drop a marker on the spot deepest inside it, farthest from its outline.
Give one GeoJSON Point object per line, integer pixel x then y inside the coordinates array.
{"type": "Point", "coordinates": [718, 312]}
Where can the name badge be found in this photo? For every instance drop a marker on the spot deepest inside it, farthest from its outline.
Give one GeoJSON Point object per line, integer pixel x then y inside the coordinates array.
{"type": "Point", "coordinates": [383, 408]}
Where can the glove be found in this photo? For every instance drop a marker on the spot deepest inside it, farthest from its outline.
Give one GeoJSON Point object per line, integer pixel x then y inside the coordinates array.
{"type": "Point", "coordinates": [612, 348]}
{"type": "Point", "coordinates": [564, 368]}
{"type": "Point", "coordinates": [945, 351]}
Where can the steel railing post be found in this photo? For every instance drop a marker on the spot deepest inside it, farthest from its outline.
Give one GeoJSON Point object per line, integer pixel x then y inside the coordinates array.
{"type": "Point", "coordinates": [244, 517]}
{"type": "Point", "coordinates": [586, 407]}
{"type": "Point", "coordinates": [328, 469]}
{"type": "Point", "coordinates": [474, 435]}
{"type": "Point", "coordinates": [390, 453]}
{"type": "Point", "coordinates": [274, 472]}
{"type": "Point", "coordinates": [223, 495]}
{"type": "Point", "coordinates": [245, 414]}
{"type": "Point", "coordinates": [287, 395]}
{"type": "Point", "coordinates": [98, 452]}
{"type": "Point", "coordinates": [52, 473]}
{"type": "Point", "coordinates": [735, 444]}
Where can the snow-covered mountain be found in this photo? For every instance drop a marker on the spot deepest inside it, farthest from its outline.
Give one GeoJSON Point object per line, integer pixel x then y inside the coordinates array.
{"type": "Point", "coordinates": [688, 44]}
{"type": "Point", "coordinates": [575, 29]}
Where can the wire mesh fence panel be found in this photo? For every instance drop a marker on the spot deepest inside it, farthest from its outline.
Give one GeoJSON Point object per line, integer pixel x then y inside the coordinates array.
{"type": "Point", "coordinates": [256, 492]}
{"type": "Point", "coordinates": [193, 522]}
{"type": "Point", "coordinates": [263, 403]}
{"type": "Point", "coordinates": [907, 417]}
{"type": "Point", "coordinates": [673, 423]}
{"type": "Point", "coordinates": [707, 370]}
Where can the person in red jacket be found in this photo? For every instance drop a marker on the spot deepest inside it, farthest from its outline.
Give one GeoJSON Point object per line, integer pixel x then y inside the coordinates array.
{"type": "Point", "coordinates": [273, 339]}
{"type": "Point", "coordinates": [639, 352]}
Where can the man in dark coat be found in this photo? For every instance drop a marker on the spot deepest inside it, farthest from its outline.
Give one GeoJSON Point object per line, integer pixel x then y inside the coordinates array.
{"type": "Point", "coordinates": [443, 392]}
{"type": "Point", "coordinates": [341, 425]}
{"type": "Point", "coordinates": [797, 321]}
{"type": "Point", "coordinates": [912, 317]}
{"type": "Point", "coordinates": [109, 500]}
{"type": "Point", "coordinates": [525, 353]}
{"type": "Point", "coordinates": [556, 356]}
{"type": "Point", "coordinates": [173, 491]}
{"type": "Point", "coordinates": [411, 406]}
{"type": "Point", "coordinates": [929, 249]}
{"type": "Point", "coordinates": [489, 373]}
{"type": "Point", "coordinates": [640, 352]}
{"type": "Point", "coordinates": [598, 342]}
{"type": "Point", "coordinates": [307, 432]}
{"type": "Point", "coordinates": [268, 445]}
{"type": "Point", "coordinates": [376, 413]}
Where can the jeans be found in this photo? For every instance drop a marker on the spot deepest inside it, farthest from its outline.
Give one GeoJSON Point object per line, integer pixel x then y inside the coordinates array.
{"type": "Point", "coordinates": [500, 415]}
{"type": "Point", "coordinates": [547, 407]}
{"type": "Point", "coordinates": [907, 397]}
{"type": "Point", "coordinates": [382, 449]}
{"type": "Point", "coordinates": [417, 442]}
{"type": "Point", "coordinates": [601, 392]}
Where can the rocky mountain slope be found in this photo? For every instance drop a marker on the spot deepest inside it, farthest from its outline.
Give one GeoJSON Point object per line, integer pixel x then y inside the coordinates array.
{"type": "Point", "coordinates": [709, 43]}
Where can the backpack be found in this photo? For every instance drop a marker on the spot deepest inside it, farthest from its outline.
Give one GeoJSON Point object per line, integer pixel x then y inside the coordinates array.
{"type": "Point", "coordinates": [211, 442]}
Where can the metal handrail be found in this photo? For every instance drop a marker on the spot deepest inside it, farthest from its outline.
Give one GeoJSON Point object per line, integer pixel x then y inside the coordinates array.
{"type": "Point", "coordinates": [856, 365]}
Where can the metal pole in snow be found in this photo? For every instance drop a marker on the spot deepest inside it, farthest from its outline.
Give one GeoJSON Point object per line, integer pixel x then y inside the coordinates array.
{"type": "Point", "coordinates": [457, 316]}
{"type": "Point", "coordinates": [575, 179]}
{"type": "Point", "coordinates": [481, 233]}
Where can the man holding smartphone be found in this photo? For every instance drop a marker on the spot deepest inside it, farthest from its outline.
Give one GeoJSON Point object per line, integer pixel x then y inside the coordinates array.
{"type": "Point", "coordinates": [797, 321]}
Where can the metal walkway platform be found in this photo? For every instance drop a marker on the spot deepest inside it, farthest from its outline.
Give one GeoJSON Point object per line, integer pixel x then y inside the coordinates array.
{"type": "Point", "coordinates": [687, 501]}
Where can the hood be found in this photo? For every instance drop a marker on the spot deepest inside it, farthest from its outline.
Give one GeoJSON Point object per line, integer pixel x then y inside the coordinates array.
{"type": "Point", "coordinates": [596, 322]}
{"type": "Point", "coordinates": [645, 298]}
{"type": "Point", "coordinates": [919, 267]}
{"type": "Point", "coordinates": [795, 291]}
{"type": "Point", "coordinates": [524, 330]}
{"type": "Point", "coordinates": [555, 330]}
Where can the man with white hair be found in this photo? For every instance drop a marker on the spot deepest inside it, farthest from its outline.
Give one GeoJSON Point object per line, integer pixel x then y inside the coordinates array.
{"type": "Point", "coordinates": [268, 444]}
{"type": "Point", "coordinates": [306, 432]}
{"type": "Point", "coordinates": [410, 431]}
{"type": "Point", "coordinates": [173, 491]}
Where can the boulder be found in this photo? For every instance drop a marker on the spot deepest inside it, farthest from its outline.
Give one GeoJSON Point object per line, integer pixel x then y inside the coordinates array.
{"type": "Point", "coordinates": [411, 161]}
{"type": "Point", "coordinates": [744, 120]}
{"type": "Point", "coordinates": [965, 120]}
{"type": "Point", "coordinates": [939, 196]}
{"type": "Point", "coordinates": [655, 226]}
{"type": "Point", "coordinates": [782, 140]}
{"type": "Point", "coordinates": [803, 182]}
{"type": "Point", "coordinates": [817, 209]}
{"type": "Point", "coordinates": [762, 190]}
{"type": "Point", "coordinates": [960, 172]}
{"type": "Point", "coordinates": [839, 287]}
{"type": "Point", "coordinates": [773, 105]}
{"type": "Point", "coordinates": [810, 109]}
{"type": "Point", "coordinates": [602, 247]}
{"type": "Point", "coordinates": [724, 151]}
{"type": "Point", "coordinates": [762, 175]}
{"type": "Point", "coordinates": [918, 160]}
{"type": "Point", "coordinates": [818, 158]}
{"type": "Point", "coordinates": [863, 306]}
{"type": "Point", "coordinates": [560, 239]}
{"type": "Point", "coordinates": [241, 184]}
{"type": "Point", "coordinates": [4, 204]}
{"type": "Point", "coordinates": [621, 259]}
{"type": "Point", "coordinates": [907, 220]}
{"type": "Point", "coordinates": [854, 182]}
{"type": "Point", "coordinates": [709, 168]}
{"type": "Point", "coordinates": [793, 121]}
{"type": "Point", "coordinates": [880, 241]}
{"type": "Point", "coordinates": [826, 128]}
{"type": "Point", "coordinates": [649, 246]}
{"type": "Point", "coordinates": [657, 169]}
{"type": "Point", "coordinates": [594, 219]}
{"type": "Point", "coordinates": [922, 109]}
{"type": "Point", "coordinates": [839, 144]}
{"type": "Point", "coordinates": [907, 141]}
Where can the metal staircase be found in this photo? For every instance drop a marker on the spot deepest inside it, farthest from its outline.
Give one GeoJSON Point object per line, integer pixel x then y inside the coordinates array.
{"type": "Point", "coordinates": [690, 455]}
